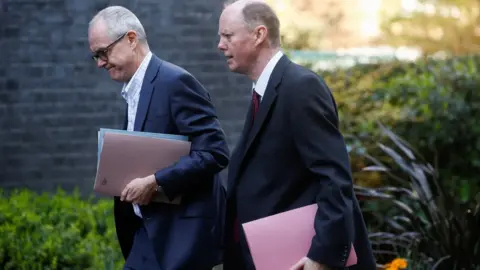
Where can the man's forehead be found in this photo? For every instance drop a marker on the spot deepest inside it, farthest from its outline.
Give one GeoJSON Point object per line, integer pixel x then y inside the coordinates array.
{"type": "Point", "coordinates": [230, 22]}
{"type": "Point", "coordinates": [97, 28]}
{"type": "Point", "coordinates": [232, 11]}
{"type": "Point", "coordinates": [230, 28]}
{"type": "Point", "coordinates": [97, 36]}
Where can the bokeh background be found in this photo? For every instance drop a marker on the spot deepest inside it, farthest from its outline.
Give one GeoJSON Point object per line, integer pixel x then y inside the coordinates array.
{"type": "Point", "coordinates": [405, 74]}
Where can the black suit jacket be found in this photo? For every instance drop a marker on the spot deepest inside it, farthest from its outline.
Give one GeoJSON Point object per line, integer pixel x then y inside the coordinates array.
{"type": "Point", "coordinates": [186, 236]}
{"type": "Point", "coordinates": [293, 156]}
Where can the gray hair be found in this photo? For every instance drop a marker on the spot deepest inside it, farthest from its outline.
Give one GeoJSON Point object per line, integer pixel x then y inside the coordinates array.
{"type": "Point", "coordinates": [257, 13]}
{"type": "Point", "coordinates": [118, 21]}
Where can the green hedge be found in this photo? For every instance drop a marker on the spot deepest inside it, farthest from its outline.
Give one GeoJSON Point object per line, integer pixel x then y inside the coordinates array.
{"type": "Point", "coordinates": [59, 231]}
{"type": "Point", "coordinates": [424, 221]}
{"type": "Point", "coordinates": [433, 104]}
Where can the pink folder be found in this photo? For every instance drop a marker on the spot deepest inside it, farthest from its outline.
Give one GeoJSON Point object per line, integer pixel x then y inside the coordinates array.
{"type": "Point", "coordinates": [125, 157]}
{"type": "Point", "coordinates": [280, 241]}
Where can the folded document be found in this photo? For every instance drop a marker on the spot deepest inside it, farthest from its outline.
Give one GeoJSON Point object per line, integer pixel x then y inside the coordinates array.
{"type": "Point", "coordinates": [126, 155]}
{"type": "Point", "coordinates": [279, 241]}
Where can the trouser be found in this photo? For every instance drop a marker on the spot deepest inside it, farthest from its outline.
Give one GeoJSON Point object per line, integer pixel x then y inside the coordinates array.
{"type": "Point", "coordinates": [142, 255]}
{"type": "Point", "coordinates": [235, 258]}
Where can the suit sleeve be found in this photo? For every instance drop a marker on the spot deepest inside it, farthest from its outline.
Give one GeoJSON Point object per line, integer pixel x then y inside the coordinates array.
{"type": "Point", "coordinates": [314, 121]}
{"type": "Point", "coordinates": [195, 117]}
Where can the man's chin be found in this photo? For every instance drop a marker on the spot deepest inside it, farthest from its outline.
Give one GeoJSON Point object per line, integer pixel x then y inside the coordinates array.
{"type": "Point", "coordinates": [238, 71]}
{"type": "Point", "coordinates": [234, 68]}
{"type": "Point", "coordinates": [117, 79]}
{"type": "Point", "coordinates": [115, 76]}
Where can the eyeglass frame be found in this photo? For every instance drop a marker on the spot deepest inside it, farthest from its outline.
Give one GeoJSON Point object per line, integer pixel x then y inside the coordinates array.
{"type": "Point", "coordinates": [103, 53]}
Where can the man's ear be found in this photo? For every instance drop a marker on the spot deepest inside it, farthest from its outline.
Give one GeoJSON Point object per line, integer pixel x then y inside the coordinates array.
{"type": "Point", "coordinates": [261, 34]}
{"type": "Point", "coordinates": [132, 38]}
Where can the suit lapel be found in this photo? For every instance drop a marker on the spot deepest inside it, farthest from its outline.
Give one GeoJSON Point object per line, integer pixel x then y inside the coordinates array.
{"type": "Point", "coordinates": [146, 93]}
{"type": "Point", "coordinates": [263, 110]}
{"type": "Point", "coordinates": [249, 134]}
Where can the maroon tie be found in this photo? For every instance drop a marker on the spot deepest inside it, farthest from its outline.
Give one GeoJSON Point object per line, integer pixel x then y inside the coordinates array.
{"type": "Point", "coordinates": [255, 105]}
{"type": "Point", "coordinates": [255, 102]}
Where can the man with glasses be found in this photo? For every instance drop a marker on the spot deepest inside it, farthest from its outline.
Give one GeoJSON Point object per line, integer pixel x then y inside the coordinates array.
{"type": "Point", "coordinates": [162, 97]}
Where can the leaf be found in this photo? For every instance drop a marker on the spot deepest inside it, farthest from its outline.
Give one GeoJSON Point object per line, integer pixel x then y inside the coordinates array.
{"type": "Point", "coordinates": [383, 192]}
{"type": "Point", "coordinates": [423, 186]}
{"type": "Point", "coordinates": [397, 158]}
{"type": "Point", "coordinates": [395, 224]}
{"type": "Point", "coordinates": [375, 168]}
{"type": "Point", "coordinates": [380, 164]}
{"type": "Point", "coordinates": [438, 263]}
{"type": "Point", "coordinates": [398, 141]}
{"type": "Point", "coordinates": [404, 207]}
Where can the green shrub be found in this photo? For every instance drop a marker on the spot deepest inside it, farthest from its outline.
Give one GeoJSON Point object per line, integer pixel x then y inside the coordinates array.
{"type": "Point", "coordinates": [427, 222]}
{"type": "Point", "coordinates": [59, 231]}
{"type": "Point", "coordinates": [433, 104]}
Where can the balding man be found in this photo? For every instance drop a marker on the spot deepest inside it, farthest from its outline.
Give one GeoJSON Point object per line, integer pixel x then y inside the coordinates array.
{"type": "Point", "coordinates": [291, 152]}
{"type": "Point", "coordinates": [163, 98]}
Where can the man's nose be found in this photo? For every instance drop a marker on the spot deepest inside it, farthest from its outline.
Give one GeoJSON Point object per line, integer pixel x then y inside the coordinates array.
{"type": "Point", "coordinates": [221, 46]}
{"type": "Point", "coordinates": [101, 63]}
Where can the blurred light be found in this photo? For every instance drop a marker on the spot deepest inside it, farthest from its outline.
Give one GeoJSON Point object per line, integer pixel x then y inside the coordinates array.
{"type": "Point", "coordinates": [409, 5]}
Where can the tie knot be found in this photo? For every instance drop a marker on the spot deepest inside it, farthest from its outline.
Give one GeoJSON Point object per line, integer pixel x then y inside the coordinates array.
{"type": "Point", "coordinates": [255, 95]}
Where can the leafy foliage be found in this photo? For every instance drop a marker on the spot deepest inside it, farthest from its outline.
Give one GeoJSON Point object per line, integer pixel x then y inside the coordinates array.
{"type": "Point", "coordinates": [433, 104]}
{"type": "Point", "coordinates": [428, 214]}
{"type": "Point", "coordinates": [57, 231]}
{"type": "Point", "coordinates": [427, 221]}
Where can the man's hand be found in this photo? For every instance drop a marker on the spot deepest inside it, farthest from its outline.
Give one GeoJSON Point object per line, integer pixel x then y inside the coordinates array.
{"type": "Point", "coordinates": [140, 190]}
{"type": "Point", "coordinates": [307, 264]}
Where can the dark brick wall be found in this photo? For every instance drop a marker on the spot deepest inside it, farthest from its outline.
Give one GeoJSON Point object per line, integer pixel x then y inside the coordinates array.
{"type": "Point", "coordinates": [53, 99]}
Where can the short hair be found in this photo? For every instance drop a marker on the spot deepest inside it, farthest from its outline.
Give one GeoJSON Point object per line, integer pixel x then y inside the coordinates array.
{"type": "Point", "coordinates": [257, 13]}
{"type": "Point", "coordinates": [118, 21]}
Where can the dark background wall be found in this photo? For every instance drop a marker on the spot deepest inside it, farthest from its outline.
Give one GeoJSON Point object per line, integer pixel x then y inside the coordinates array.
{"type": "Point", "coordinates": [53, 99]}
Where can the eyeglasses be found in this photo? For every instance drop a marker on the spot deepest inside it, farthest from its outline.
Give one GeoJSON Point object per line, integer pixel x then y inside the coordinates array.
{"type": "Point", "coordinates": [103, 53]}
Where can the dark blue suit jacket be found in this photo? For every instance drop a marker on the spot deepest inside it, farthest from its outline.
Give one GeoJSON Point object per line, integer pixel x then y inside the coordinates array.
{"type": "Point", "coordinates": [186, 236]}
{"type": "Point", "coordinates": [294, 155]}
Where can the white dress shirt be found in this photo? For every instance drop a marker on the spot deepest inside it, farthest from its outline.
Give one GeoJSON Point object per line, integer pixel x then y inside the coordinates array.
{"type": "Point", "coordinates": [131, 94]}
{"type": "Point", "coordinates": [261, 84]}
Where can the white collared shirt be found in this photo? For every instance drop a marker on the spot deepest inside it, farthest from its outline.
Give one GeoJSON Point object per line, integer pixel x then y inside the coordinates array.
{"type": "Point", "coordinates": [131, 94]}
{"type": "Point", "coordinates": [261, 84]}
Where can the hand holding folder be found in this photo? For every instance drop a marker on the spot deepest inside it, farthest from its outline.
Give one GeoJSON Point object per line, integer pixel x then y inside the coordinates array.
{"type": "Point", "coordinates": [126, 155]}
{"type": "Point", "coordinates": [280, 241]}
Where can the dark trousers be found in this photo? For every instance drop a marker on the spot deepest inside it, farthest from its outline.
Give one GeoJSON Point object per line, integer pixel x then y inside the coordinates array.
{"type": "Point", "coordinates": [237, 257]}
{"type": "Point", "coordinates": [234, 259]}
{"type": "Point", "coordinates": [142, 256]}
